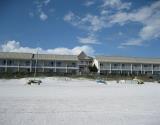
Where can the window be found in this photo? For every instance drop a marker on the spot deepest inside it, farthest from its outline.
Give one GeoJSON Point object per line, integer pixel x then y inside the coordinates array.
{"type": "Point", "coordinates": [27, 62]}
{"type": "Point", "coordinates": [73, 64]}
{"type": "Point", "coordinates": [58, 63]}
{"type": "Point", "coordinates": [4, 62]}
{"type": "Point", "coordinates": [52, 63]}
{"type": "Point", "coordinates": [101, 64]}
{"type": "Point", "coordinates": [115, 65]}
{"type": "Point", "coordinates": [9, 62]}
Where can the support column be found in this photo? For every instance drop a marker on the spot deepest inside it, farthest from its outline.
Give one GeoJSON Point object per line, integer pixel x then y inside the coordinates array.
{"type": "Point", "coordinates": [30, 65]}
{"type": "Point", "coordinates": [131, 68]}
{"type": "Point", "coordinates": [55, 66]}
{"type": "Point", "coordinates": [43, 67]}
{"type": "Point", "coordinates": [152, 69]}
{"type": "Point", "coordinates": [6, 66]}
{"type": "Point", "coordinates": [66, 68]}
{"type": "Point", "coordinates": [141, 69]}
{"type": "Point", "coordinates": [18, 65]}
{"type": "Point", "coordinates": [121, 67]}
{"type": "Point", "coordinates": [110, 68]}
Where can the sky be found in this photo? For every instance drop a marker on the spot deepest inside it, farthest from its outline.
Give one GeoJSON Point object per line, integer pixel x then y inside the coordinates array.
{"type": "Point", "coordinates": [97, 27]}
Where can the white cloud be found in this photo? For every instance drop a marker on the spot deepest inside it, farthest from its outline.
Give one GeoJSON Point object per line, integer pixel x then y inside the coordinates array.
{"type": "Point", "coordinates": [14, 46]}
{"type": "Point", "coordinates": [114, 12]}
{"type": "Point", "coordinates": [91, 39]}
{"type": "Point", "coordinates": [69, 16]}
{"type": "Point", "coordinates": [89, 3]}
{"type": "Point", "coordinates": [132, 42]}
{"type": "Point", "coordinates": [148, 16]}
{"type": "Point", "coordinates": [94, 23]}
{"type": "Point", "coordinates": [46, 2]}
{"type": "Point", "coordinates": [89, 22]}
{"type": "Point", "coordinates": [41, 8]}
{"type": "Point", "coordinates": [116, 4]}
{"type": "Point", "coordinates": [43, 16]}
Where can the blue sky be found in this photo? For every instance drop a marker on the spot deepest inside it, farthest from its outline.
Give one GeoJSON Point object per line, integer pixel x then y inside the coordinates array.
{"type": "Point", "coordinates": [98, 27]}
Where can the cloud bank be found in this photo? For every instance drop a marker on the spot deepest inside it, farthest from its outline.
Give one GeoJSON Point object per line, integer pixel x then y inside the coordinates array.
{"type": "Point", "coordinates": [14, 46]}
{"type": "Point", "coordinates": [113, 12]}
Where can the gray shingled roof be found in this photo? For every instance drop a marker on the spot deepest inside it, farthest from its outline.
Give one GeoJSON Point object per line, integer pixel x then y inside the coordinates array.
{"type": "Point", "coordinates": [128, 59]}
{"type": "Point", "coordinates": [83, 56]}
{"type": "Point", "coordinates": [15, 55]}
{"type": "Point", "coordinates": [56, 57]}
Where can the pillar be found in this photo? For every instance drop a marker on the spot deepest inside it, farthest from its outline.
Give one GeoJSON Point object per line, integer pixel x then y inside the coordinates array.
{"type": "Point", "coordinates": [18, 65]}
{"type": "Point", "coordinates": [66, 68]}
{"type": "Point", "coordinates": [30, 65]}
{"type": "Point", "coordinates": [6, 66]}
{"type": "Point", "coordinates": [131, 68]}
{"type": "Point", "coordinates": [141, 69]}
{"type": "Point", "coordinates": [152, 69]}
{"type": "Point", "coordinates": [110, 68]}
{"type": "Point", "coordinates": [43, 67]}
{"type": "Point", "coordinates": [55, 66]}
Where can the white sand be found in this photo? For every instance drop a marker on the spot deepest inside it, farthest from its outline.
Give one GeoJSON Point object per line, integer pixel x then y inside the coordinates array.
{"type": "Point", "coordinates": [78, 102]}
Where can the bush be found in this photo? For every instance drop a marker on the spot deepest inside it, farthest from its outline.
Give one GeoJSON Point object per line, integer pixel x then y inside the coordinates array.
{"type": "Point", "coordinates": [93, 69]}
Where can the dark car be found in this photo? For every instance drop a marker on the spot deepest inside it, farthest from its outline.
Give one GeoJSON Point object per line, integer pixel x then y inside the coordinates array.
{"type": "Point", "coordinates": [34, 82]}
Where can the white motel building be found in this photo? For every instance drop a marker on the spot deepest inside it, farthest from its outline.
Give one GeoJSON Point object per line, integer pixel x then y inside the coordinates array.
{"type": "Point", "coordinates": [13, 62]}
{"type": "Point", "coordinates": [74, 64]}
{"type": "Point", "coordinates": [127, 65]}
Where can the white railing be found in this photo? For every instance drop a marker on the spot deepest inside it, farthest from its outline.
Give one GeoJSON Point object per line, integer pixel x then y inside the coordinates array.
{"type": "Point", "coordinates": [116, 67]}
{"type": "Point", "coordinates": [105, 67]}
{"type": "Point", "coordinates": [126, 67]}
{"type": "Point", "coordinates": [147, 69]}
{"type": "Point", "coordinates": [136, 68]}
{"type": "Point", "coordinates": [156, 69]}
{"type": "Point", "coordinates": [83, 63]}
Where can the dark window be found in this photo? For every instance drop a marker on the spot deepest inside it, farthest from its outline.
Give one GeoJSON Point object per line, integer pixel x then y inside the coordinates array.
{"type": "Point", "coordinates": [58, 63]}
{"type": "Point", "coordinates": [101, 64]}
{"type": "Point", "coordinates": [73, 64]}
{"type": "Point", "coordinates": [28, 70]}
{"type": "Point", "coordinates": [27, 62]}
{"type": "Point", "coordinates": [9, 62]}
{"type": "Point", "coordinates": [4, 62]}
{"type": "Point", "coordinates": [115, 64]}
{"type": "Point", "coordinates": [52, 63]}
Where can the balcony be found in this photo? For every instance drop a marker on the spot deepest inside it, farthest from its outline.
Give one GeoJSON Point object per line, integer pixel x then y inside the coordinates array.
{"type": "Point", "coordinates": [116, 67]}
{"type": "Point", "coordinates": [156, 68]}
{"type": "Point", "coordinates": [138, 68]}
{"type": "Point", "coordinates": [105, 67]}
{"type": "Point", "coordinates": [83, 63]}
{"type": "Point", "coordinates": [126, 67]}
{"type": "Point", "coordinates": [147, 68]}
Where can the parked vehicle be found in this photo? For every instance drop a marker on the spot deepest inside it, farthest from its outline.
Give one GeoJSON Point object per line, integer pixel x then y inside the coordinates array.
{"type": "Point", "coordinates": [139, 81]}
{"type": "Point", "coordinates": [101, 81]}
{"type": "Point", "coordinates": [30, 82]}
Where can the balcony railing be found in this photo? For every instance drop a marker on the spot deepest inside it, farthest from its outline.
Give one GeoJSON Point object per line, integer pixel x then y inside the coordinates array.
{"type": "Point", "coordinates": [83, 63]}
{"type": "Point", "coordinates": [136, 68]}
{"type": "Point", "coordinates": [147, 68]}
{"type": "Point", "coordinates": [156, 68]}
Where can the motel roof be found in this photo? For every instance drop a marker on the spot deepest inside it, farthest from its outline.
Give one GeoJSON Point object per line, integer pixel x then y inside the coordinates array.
{"type": "Point", "coordinates": [15, 55]}
{"type": "Point", "coordinates": [83, 56]}
{"type": "Point", "coordinates": [56, 57]}
{"type": "Point", "coordinates": [116, 59]}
